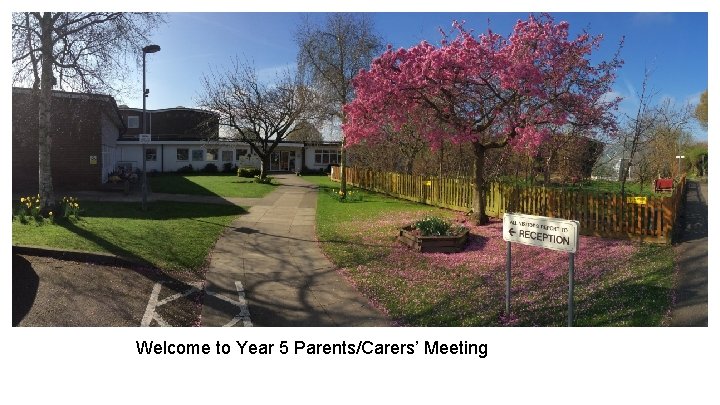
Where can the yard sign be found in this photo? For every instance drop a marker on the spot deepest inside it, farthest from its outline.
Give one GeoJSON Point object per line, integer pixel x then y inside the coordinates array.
{"type": "Point", "coordinates": [637, 200]}
{"type": "Point", "coordinates": [544, 232]}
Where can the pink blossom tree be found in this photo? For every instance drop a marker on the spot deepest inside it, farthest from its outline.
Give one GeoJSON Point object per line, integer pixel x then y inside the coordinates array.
{"type": "Point", "coordinates": [487, 90]}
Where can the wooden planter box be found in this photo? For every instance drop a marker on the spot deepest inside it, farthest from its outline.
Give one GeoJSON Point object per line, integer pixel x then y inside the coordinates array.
{"type": "Point", "coordinates": [433, 244]}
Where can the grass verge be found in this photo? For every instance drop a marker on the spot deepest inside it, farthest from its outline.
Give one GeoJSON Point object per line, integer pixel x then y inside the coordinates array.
{"type": "Point", "coordinates": [223, 185]}
{"type": "Point", "coordinates": [617, 283]}
{"type": "Point", "coordinates": [169, 235]}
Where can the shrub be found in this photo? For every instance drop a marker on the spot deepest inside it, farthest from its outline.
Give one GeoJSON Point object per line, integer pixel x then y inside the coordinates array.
{"type": "Point", "coordinates": [248, 173]}
{"type": "Point", "coordinates": [186, 169]}
{"type": "Point", "coordinates": [261, 180]}
{"type": "Point", "coordinates": [210, 168]}
{"type": "Point", "coordinates": [228, 167]}
{"type": "Point", "coordinates": [434, 226]}
{"type": "Point", "coordinates": [307, 171]}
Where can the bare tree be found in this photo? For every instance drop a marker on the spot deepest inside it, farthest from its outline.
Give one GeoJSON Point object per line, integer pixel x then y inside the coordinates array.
{"type": "Point", "coordinates": [653, 137]}
{"type": "Point", "coordinates": [86, 52]}
{"type": "Point", "coordinates": [305, 131]}
{"type": "Point", "coordinates": [638, 129]}
{"type": "Point", "coordinates": [330, 56]}
{"type": "Point", "coordinates": [701, 111]}
{"type": "Point", "coordinates": [257, 113]}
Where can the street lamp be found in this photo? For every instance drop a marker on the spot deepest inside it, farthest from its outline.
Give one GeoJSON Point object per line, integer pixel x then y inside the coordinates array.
{"type": "Point", "coordinates": [678, 157]}
{"type": "Point", "coordinates": [145, 50]}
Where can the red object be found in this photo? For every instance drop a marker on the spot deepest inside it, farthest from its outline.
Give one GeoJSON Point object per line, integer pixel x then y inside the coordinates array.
{"type": "Point", "coordinates": [663, 184]}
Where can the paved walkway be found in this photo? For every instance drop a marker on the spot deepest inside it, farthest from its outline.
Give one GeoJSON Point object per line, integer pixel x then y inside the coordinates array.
{"type": "Point", "coordinates": [267, 269]}
{"type": "Point", "coordinates": [691, 308]}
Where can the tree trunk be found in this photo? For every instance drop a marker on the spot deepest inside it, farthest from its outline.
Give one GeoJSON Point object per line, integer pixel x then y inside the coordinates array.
{"type": "Point", "coordinates": [45, 186]}
{"type": "Point", "coordinates": [343, 164]}
{"type": "Point", "coordinates": [264, 165]}
{"type": "Point", "coordinates": [479, 193]}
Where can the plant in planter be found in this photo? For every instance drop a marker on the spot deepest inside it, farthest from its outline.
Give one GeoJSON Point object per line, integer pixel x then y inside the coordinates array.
{"type": "Point", "coordinates": [263, 180]}
{"type": "Point", "coordinates": [433, 234]}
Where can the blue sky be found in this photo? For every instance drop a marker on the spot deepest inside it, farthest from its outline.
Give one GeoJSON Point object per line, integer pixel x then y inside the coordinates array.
{"type": "Point", "coordinates": [673, 45]}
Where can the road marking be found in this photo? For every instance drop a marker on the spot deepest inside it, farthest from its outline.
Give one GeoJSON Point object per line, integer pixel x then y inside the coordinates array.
{"type": "Point", "coordinates": [243, 311]}
{"type": "Point", "coordinates": [153, 303]}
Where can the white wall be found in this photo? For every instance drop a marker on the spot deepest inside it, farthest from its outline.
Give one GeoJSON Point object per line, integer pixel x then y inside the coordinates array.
{"type": "Point", "coordinates": [167, 155]}
{"type": "Point", "coordinates": [310, 156]}
{"type": "Point", "coordinates": [171, 163]}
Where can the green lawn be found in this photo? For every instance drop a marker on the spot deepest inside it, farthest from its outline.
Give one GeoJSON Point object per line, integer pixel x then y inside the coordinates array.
{"type": "Point", "coordinates": [333, 216]}
{"type": "Point", "coordinates": [169, 235]}
{"type": "Point", "coordinates": [617, 283]}
{"type": "Point", "coordinates": [223, 185]}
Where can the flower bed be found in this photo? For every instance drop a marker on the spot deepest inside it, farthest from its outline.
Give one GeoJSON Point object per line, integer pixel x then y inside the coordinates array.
{"type": "Point", "coordinates": [432, 244]}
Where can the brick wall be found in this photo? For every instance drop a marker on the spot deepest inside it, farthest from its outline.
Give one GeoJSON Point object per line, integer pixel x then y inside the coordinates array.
{"type": "Point", "coordinates": [76, 135]}
{"type": "Point", "coordinates": [174, 124]}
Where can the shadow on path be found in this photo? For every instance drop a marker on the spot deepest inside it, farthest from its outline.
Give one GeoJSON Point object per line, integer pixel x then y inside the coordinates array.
{"type": "Point", "coordinates": [25, 282]}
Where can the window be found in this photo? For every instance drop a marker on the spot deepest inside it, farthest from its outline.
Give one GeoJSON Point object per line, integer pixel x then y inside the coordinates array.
{"type": "Point", "coordinates": [227, 156]}
{"type": "Point", "coordinates": [182, 154]}
{"type": "Point", "coordinates": [325, 156]}
{"type": "Point", "coordinates": [211, 154]}
{"type": "Point", "coordinates": [151, 154]}
{"type": "Point", "coordinates": [133, 121]}
{"type": "Point", "coordinates": [198, 155]}
{"type": "Point", "coordinates": [240, 153]}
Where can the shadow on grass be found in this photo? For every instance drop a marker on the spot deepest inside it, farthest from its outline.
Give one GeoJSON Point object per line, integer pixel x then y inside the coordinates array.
{"type": "Point", "coordinates": [159, 210]}
{"type": "Point", "coordinates": [627, 303]}
{"type": "Point", "coordinates": [181, 184]}
{"type": "Point", "coordinates": [177, 184]}
{"type": "Point", "coordinates": [104, 243]}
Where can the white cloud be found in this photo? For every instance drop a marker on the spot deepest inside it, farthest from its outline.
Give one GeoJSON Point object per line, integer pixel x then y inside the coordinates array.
{"type": "Point", "coordinates": [653, 18]}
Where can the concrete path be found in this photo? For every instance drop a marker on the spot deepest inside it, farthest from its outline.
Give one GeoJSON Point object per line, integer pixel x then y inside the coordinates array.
{"type": "Point", "coordinates": [267, 269]}
{"type": "Point", "coordinates": [691, 308]}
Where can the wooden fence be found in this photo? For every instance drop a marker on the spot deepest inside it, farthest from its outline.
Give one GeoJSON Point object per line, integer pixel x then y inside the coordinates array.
{"type": "Point", "coordinates": [600, 214]}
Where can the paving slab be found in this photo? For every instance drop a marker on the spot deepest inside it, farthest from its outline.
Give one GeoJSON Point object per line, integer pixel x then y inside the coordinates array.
{"type": "Point", "coordinates": [691, 307]}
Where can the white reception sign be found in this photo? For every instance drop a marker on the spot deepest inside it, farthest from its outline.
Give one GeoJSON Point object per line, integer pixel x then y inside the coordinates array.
{"type": "Point", "coordinates": [545, 232]}
{"type": "Point", "coordinates": [144, 138]}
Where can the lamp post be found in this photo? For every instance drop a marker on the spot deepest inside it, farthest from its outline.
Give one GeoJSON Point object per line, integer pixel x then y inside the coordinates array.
{"type": "Point", "coordinates": [678, 157]}
{"type": "Point", "coordinates": [145, 50]}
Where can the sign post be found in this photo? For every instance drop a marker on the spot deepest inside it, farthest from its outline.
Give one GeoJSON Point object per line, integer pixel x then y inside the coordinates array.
{"type": "Point", "coordinates": [507, 280]}
{"type": "Point", "coordinates": [545, 232]}
{"type": "Point", "coordinates": [144, 139]}
{"type": "Point", "coordinates": [571, 289]}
